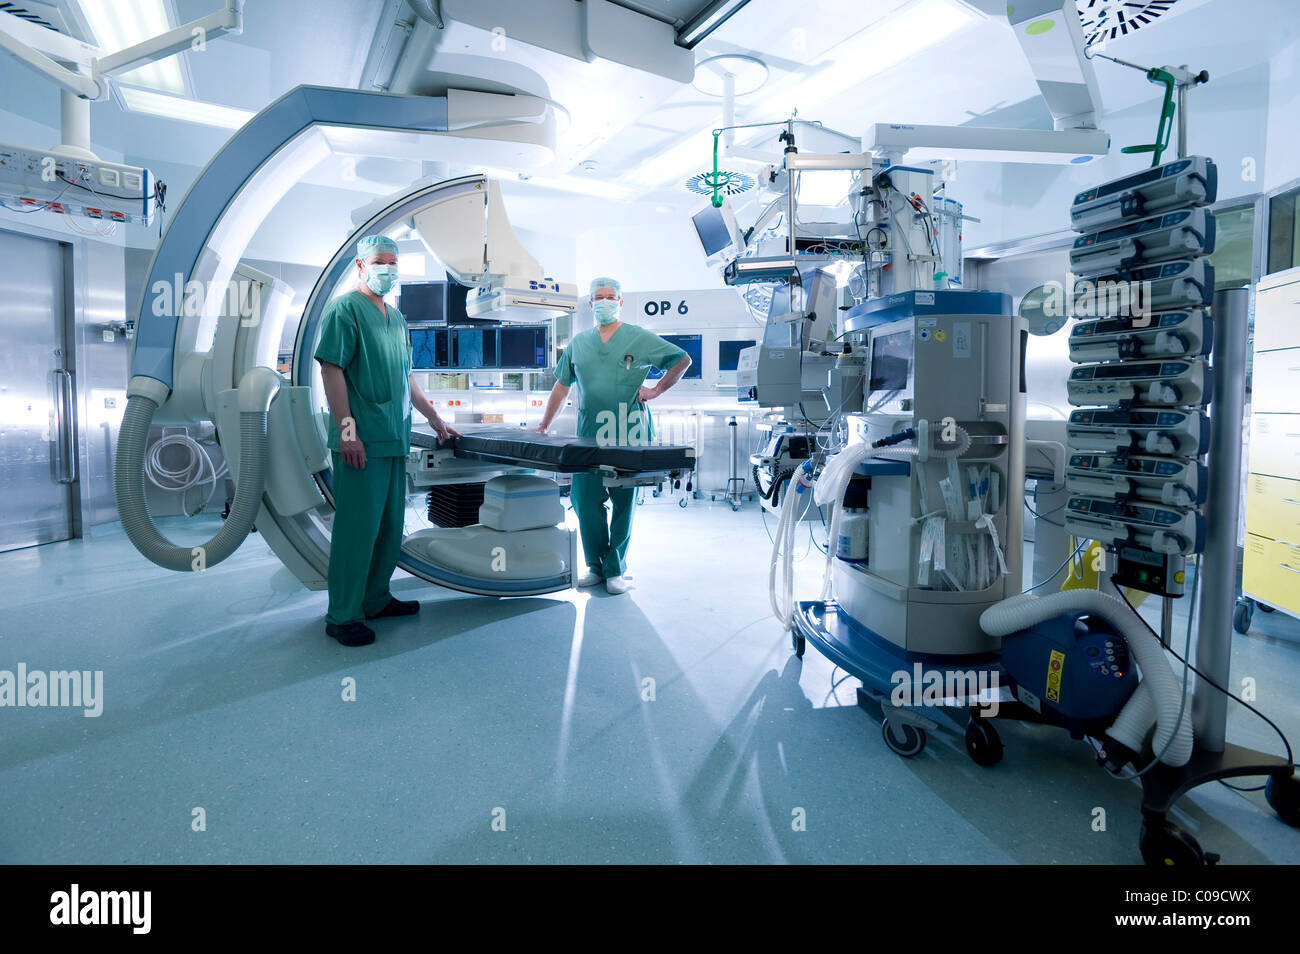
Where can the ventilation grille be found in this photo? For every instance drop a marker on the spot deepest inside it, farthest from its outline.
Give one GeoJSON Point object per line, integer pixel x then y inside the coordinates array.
{"type": "Point", "coordinates": [25, 12]}
{"type": "Point", "coordinates": [61, 16]}
{"type": "Point", "coordinates": [1106, 20]}
{"type": "Point", "coordinates": [729, 183]}
{"type": "Point", "coordinates": [455, 505]}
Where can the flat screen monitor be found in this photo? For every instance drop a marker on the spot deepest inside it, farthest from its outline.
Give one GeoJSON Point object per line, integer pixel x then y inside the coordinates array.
{"type": "Point", "coordinates": [693, 345]}
{"type": "Point", "coordinates": [719, 235]}
{"type": "Point", "coordinates": [525, 347]}
{"type": "Point", "coordinates": [429, 349]}
{"type": "Point", "coordinates": [424, 302]}
{"type": "Point", "coordinates": [891, 361]}
{"type": "Point", "coordinates": [456, 293]}
{"type": "Point", "coordinates": [474, 348]}
{"type": "Point", "coordinates": [729, 353]}
{"type": "Point", "coordinates": [480, 348]}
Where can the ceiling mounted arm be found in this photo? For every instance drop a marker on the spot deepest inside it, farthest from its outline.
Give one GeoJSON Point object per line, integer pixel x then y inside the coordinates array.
{"type": "Point", "coordinates": [229, 19]}
{"type": "Point", "coordinates": [1051, 34]}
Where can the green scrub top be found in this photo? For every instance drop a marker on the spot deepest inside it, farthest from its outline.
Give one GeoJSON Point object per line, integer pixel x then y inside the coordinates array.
{"type": "Point", "coordinates": [374, 351]}
{"type": "Point", "coordinates": [608, 375]}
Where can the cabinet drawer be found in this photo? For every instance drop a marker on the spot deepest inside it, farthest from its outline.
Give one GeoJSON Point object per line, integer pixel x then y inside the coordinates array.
{"type": "Point", "coordinates": [1271, 572]}
{"type": "Point", "coordinates": [1273, 508]}
{"type": "Point", "coordinates": [1275, 445]}
{"type": "Point", "coordinates": [1277, 316]}
{"type": "Point", "coordinates": [1276, 383]}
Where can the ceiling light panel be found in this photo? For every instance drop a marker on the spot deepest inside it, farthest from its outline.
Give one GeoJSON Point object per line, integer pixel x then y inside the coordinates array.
{"type": "Point", "coordinates": [118, 24]}
{"type": "Point", "coordinates": [186, 110]}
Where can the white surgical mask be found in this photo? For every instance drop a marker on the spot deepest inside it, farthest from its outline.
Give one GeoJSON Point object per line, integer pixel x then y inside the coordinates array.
{"type": "Point", "coordinates": [606, 310]}
{"type": "Point", "coordinates": [381, 278]}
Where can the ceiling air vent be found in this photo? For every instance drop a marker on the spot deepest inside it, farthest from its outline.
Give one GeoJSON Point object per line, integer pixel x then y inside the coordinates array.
{"type": "Point", "coordinates": [729, 183]}
{"type": "Point", "coordinates": [1106, 20]}
{"type": "Point", "coordinates": [26, 11]}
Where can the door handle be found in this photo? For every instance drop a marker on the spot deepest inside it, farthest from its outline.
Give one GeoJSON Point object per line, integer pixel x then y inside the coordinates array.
{"type": "Point", "coordinates": [63, 409]}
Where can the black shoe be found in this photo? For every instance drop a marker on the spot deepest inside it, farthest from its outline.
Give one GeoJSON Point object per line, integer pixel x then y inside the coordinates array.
{"type": "Point", "coordinates": [397, 607]}
{"type": "Point", "coordinates": [354, 633]}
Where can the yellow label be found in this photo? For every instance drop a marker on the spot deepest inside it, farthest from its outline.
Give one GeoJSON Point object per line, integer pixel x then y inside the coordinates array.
{"type": "Point", "coordinates": [1055, 666]}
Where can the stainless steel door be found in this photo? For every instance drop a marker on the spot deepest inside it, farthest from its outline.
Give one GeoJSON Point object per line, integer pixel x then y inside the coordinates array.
{"type": "Point", "coordinates": [37, 420]}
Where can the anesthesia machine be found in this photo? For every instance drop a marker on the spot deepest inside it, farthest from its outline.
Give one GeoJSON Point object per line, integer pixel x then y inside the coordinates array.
{"type": "Point", "coordinates": [916, 456]}
{"type": "Point", "coordinates": [898, 402]}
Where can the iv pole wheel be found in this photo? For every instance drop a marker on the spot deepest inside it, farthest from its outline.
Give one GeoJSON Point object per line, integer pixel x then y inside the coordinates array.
{"type": "Point", "coordinates": [904, 739]}
{"type": "Point", "coordinates": [1164, 844]}
{"type": "Point", "coordinates": [1242, 614]}
{"type": "Point", "coordinates": [983, 744]}
{"type": "Point", "coordinates": [797, 643]}
{"type": "Point", "coordinates": [1283, 795]}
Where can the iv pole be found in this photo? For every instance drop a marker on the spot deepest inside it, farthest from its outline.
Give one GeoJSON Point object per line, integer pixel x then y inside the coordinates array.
{"type": "Point", "coordinates": [1213, 758]}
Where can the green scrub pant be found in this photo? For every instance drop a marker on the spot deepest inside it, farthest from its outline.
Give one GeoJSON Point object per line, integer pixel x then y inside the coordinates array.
{"type": "Point", "coordinates": [604, 543]}
{"type": "Point", "coordinates": [366, 540]}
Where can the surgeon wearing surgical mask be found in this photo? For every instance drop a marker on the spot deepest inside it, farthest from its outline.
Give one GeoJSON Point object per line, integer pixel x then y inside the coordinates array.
{"type": "Point", "coordinates": [609, 363]}
{"type": "Point", "coordinates": [365, 358]}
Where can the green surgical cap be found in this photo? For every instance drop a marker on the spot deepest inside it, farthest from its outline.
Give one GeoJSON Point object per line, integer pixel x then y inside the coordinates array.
{"type": "Point", "coordinates": [599, 283]}
{"type": "Point", "coordinates": [374, 245]}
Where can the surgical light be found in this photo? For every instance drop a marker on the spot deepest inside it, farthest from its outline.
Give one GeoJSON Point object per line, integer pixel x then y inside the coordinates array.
{"type": "Point", "coordinates": [118, 24]}
{"type": "Point", "coordinates": [187, 110]}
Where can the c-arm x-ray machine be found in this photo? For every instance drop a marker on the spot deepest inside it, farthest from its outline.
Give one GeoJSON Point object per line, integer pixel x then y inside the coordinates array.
{"type": "Point", "coordinates": [211, 357]}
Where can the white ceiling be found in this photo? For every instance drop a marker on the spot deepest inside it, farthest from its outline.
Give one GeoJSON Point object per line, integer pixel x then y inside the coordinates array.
{"type": "Point", "coordinates": [977, 75]}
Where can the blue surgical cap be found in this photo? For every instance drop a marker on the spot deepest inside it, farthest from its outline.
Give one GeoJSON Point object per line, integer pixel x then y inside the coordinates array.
{"type": "Point", "coordinates": [599, 283]}
{"type": "Point", "coordinates": [374, 245]}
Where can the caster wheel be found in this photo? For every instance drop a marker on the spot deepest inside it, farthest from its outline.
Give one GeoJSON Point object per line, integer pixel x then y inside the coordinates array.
{"type": "Point", "coordinates": [904, 739]}
{"type": "Point", "coordinates": [1168, 845]}
{"type": "Point", "coordinates": [655, 494]}
{"type": "Point", "coordinates": [798, 644]}
{"type": "Point", "coordinates": [983, 744]}
{"type": "Point", "coordinates": [735, 508]}
{"type": "Point", "coordinates": [1264, 608]}
{"type": "Point", "coordinates": [1283, 795]}
{"type": "Point", "coordinates": [1241, 616]}
{"type": "Point", "coordinates": [682, 503]}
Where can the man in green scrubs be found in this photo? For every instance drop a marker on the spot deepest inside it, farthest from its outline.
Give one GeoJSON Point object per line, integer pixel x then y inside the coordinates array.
{"type": "Point", "coordinates": [365, 358]}
{"type": "Point", "coordinates": [609, 363]}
